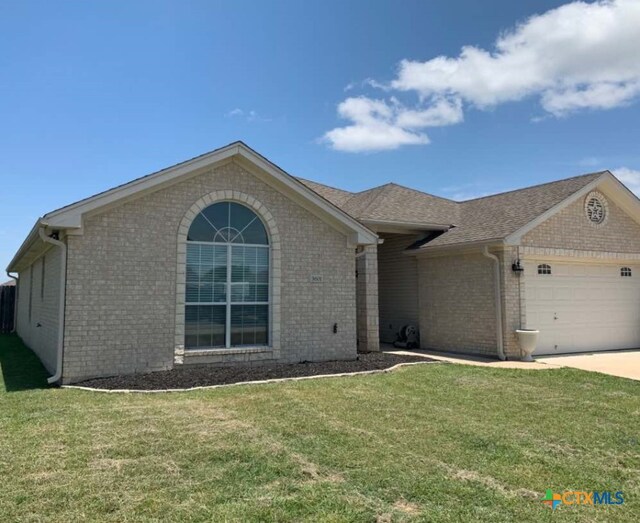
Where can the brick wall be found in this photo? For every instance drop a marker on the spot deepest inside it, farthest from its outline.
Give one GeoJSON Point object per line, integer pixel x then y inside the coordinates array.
{"type": "Point", "coordinates": [367, 300]}
{"type": "Point", "coordinates": [513, 308]}
{"type": "Point", "coordinates": [456, 304]}
{"type": "Point", "coordinates": [40, 332]}
{"type": "Point", "coordinates": [570, 229]}
{"type": "Point", "coordinates": [121, 294]}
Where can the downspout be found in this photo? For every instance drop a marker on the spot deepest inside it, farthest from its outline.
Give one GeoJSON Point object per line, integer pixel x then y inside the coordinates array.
{"type": "Point", "coordinates": [15, 305]}
{"type": "Point", "coordinates": [63, 288]}
{"type": "Point", "coordinates": [498, 301]}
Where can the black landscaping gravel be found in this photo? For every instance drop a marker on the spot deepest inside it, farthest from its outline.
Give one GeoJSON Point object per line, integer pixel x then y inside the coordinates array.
{"type": "Point", "coordinates": [203, 375]}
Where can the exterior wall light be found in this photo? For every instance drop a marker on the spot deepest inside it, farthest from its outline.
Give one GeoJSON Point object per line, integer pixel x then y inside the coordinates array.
{"type": "Point", "coordinates": [516, 266]}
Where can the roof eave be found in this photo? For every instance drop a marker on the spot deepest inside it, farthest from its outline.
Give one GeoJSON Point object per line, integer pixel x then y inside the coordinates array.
{"type": "Point", "coordinates": [28, 242]}
{"type": "Point", "coordinates": [70, 217]}
{"type": "Point", "coordinates": [455, 247]}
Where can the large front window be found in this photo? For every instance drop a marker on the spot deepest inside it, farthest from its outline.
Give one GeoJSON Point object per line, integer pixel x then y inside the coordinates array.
{"type": "Point", "coordinates": [227, 295]}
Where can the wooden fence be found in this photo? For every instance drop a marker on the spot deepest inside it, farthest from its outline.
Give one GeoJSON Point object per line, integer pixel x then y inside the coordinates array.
{"type": "Point", "coordinates": [7, 307]}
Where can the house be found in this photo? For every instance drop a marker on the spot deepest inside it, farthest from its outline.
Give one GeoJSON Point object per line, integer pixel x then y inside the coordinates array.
{"type": "Point", "coordinates": [227, 259]}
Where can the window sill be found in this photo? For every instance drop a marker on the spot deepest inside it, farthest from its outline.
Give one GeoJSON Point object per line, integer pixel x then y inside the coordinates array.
{"type": "Point", "coordinates": [236, 350]}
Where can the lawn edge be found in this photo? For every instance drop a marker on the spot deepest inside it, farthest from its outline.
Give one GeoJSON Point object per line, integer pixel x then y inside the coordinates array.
{"type": "Point", "coordinates": [255, 382]}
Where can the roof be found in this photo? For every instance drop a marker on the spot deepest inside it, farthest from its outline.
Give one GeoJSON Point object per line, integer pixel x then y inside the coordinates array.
{"type": "Point", "coordinates": [498, 216]}
{"type": "Point", "coordinates": [488, 218]}
{"type": "Point", "coordinates": [71, 216]}
{"type": "Point", "coordinates": [484, 219]}
{"type": "Point", "coordinates": [391, 202]}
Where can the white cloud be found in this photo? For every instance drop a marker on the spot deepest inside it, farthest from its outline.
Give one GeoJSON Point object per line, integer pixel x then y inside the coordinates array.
{"type": "Point", "coordinates": [249, 116]}
{"type": "Point", "coordinates": [575, 57]}
{"type": "Point", "coordinates": [630, 177]}
{"type": "Point", "coordinates": [379, 125]}
{"type": "Point", "coordinates": [374, 127]}
{"type": "Point", "coordinates": [441, 112]}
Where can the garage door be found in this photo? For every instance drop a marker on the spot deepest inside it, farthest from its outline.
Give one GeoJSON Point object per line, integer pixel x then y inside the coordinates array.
{"type": "Point", "coordinates": [582, 307]}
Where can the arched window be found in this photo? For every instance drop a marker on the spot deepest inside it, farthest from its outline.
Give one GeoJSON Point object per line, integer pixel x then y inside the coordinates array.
{"type": "Point", "coordinates": [625, 272]}
{"type": "Point", "coordinates": [227, 279]}
{"type": "Point", "coordinates": [544, 268]}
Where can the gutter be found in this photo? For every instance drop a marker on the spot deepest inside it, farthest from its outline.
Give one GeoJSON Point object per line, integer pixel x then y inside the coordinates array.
{"type": "Point", "coordinates": [498, 301]}
{"type": "Point", "coordinates": [471, 246]}
{"type": "Point", "coordinates": [412, 225]}
{"type": "Point", "coordinates": [15, 305]}
{"type": "Point", "coordinates": [63, 288]}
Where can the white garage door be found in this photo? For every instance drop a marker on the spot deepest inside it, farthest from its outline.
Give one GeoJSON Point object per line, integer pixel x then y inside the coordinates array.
{"type": "Point", "coordinates": [583, 307]}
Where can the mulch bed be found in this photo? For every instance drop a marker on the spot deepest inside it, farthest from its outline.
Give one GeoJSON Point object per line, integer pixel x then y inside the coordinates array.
{"type": "Point", "coordinates": [203, 375]}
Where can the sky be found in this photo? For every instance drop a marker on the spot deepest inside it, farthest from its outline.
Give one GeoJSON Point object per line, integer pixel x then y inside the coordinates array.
{"type": "Point", "coordinates": [458, 98]}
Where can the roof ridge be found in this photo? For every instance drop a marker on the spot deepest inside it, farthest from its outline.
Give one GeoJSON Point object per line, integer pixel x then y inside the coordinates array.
{"type": "Point", "coordinates": [423, 192]}
{"type": "Point", "coordinates": [534, 186]}
{"type": "Point", "coordinates": [380, 189]}
{"type": "Point", "coordinates": [375, 188]}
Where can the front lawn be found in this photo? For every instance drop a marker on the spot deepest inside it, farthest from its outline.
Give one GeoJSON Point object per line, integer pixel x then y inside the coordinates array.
{"type": "Point", "coordinates": [435, 442]}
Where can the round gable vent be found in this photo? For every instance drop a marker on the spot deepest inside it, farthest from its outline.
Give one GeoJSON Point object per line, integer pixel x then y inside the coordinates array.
{"type": "Point", "coordinates": [596, 208]}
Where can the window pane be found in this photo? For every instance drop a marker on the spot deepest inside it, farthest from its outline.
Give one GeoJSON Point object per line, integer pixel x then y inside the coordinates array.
{"type": "Point", "coordinates": [249, 325]}
{"type": "Point", "coordinates": [218, 215]}
{"type": "Point", "coordinates": [191, 326]}
{"type": "Point", "coordinates": [219, 292]}
{"type": "Point", "coordinates": [202, 271]}
{"type": "Point", "coordinates": [200, 230]}
{"type": "Point", "coordinates": [205, 326]}
{"type": "Point", "coordinates": [262, 257]}
{"type": "Point", "coordinates": [192, 292]}
{"type": "Point", "coordinates": [206, 274]}
{"type": "Point", "coordinates": [255, 233]}
{"type": "Point", "coordinates": [237, 264]}
{"type": "Point", "coordinates": [262, 325]}
{"type": "Point", "coordinates": [206, 292]}
{"type": "Point", "coordinates": [241, 216]}
{"type": "Point", "coordinates": [262, 293]}
{"type": "Point", "coordinates": [220, 255]}
{"type": "Point", "coordinates": [237, 292]}
{"type": "Point", "coordinates": [249, 264]}
{"type": "Point", "coordinates": [193, 253]}
{"type": "Point", "coordinates": [220, 274]}
{"type": "Point", "coordinates": [205, 320]}
{"type": "Point", "coordinates": [263, 275]}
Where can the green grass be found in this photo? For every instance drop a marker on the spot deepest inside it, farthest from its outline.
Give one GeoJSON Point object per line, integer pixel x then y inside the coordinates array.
{"type": "Point", "coordinates": [433, 442]}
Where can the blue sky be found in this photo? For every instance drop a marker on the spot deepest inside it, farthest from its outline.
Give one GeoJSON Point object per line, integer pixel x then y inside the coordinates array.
{"type": "Point", "coordinates": [93, 94]}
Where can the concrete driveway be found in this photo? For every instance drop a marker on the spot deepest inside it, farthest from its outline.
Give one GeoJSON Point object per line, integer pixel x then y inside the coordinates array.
{"type": "Point", "coordinates": [625, 364]}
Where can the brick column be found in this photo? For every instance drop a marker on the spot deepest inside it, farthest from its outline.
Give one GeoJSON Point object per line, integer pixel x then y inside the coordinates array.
{"type": "Point", "coordinates": [367, 300]}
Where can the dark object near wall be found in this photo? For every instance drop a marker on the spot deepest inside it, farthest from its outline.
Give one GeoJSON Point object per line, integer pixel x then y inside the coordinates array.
{"type": "Point", "coordinates": [7, 308]}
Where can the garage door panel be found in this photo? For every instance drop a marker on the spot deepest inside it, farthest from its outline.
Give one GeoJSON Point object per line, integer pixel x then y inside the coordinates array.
{"type": "Point", "coordinates": [583, 307]}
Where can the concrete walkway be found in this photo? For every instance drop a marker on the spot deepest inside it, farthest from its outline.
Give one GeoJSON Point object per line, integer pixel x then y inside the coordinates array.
{"type": "Point", "coordinates": [465, 359]}
{"type": "Point", "coordinates": [624, 364]}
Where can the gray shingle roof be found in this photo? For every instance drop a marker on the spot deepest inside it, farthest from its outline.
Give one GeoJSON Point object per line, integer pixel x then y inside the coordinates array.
{"type": "Point", "coordinates": [487, 218]}
{"type": "Point", "coordinates": [497, 216]}
{"type": "Point", "coordinates": [391, 202]}
{"type": "Point", "coordinates": [337, 197]}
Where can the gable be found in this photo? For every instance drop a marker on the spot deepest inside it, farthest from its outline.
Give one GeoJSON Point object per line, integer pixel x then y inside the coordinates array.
{"type": "Point", "coordinates": [571, 229]}
{"type": "Point", "coordinates": [71, 218]}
